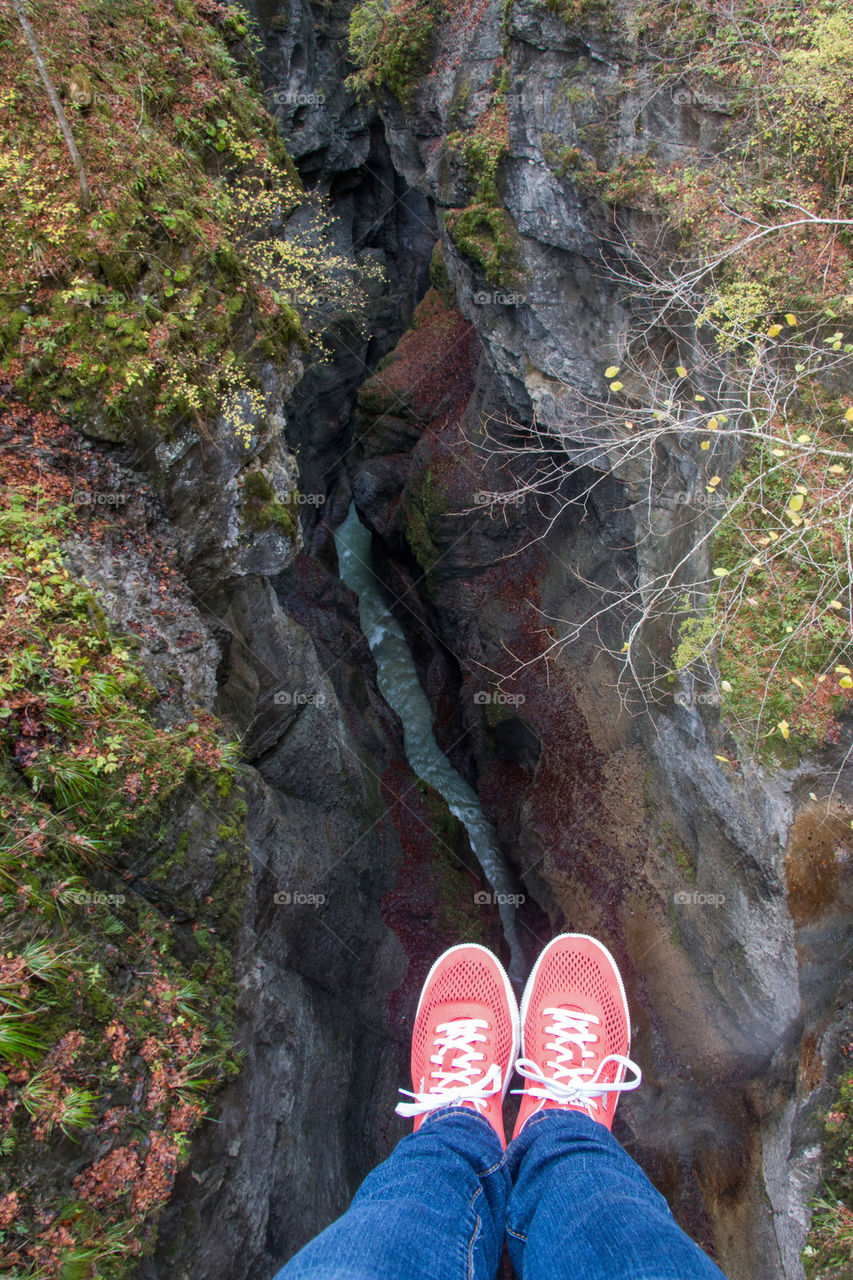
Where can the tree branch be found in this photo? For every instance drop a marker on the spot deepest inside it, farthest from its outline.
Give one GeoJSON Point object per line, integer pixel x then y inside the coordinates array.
{"type": "Point", "coordinates": [58, 111]}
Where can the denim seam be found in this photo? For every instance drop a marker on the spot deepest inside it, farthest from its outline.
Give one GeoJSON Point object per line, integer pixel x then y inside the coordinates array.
{"type": "Point", "coordinates": [517, 1235]}
{"type": "Point", "coordinates": [475, 1234]}
{"type": "Point", "coordinates": [484, 1173]}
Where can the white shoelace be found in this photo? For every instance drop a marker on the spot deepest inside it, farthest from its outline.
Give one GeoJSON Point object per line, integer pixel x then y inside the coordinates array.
{"type": "Point", "coordinates": [454, 1081]}
{"type": "Point", "coordinates": [567, 1083]}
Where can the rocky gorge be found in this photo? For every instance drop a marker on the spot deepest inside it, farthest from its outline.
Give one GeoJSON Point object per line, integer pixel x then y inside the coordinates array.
{"type": "Point", "coordinates": [500, 281]}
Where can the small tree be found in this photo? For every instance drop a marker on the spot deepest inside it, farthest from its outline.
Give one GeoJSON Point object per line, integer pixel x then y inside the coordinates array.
{"type": "Point", "coordinates": [58, 111]}
{"type": "Point", "coordinates": [757, 407]}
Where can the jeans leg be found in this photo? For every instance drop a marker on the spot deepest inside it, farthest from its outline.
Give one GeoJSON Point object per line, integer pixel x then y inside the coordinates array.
{"type": "Point", "coordinates": [582, 1209]}
{"type": "Point", "coordinates": [434, 1210]}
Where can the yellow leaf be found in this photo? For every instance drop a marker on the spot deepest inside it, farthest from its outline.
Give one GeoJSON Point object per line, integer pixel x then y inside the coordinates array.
{"type": "Point", "coordinates": [779, 453]}
{"type": "Point", "coordinates": [706, 444]}
{"type": "Point", "coordinates": [726, 760]}
{"type": "Point", "coordinates": [725, 686]}
{"type": "Point", "coordinates": [796, 521]}
{"type": "Point", "coordinates": [611, 371]}
{"type": "Point", "coordinates": [836, 604]}
{"type": "Point", "coordinates": [713, 423]}
{"type": "Point", "coordinates": [803, 438]}
{"type": "Point", "coordinates": [714, 481]}
{"type": "Point", "coordinates": [800, 488]}
{"type": "Point", "coordinates": [698, 397]}
{"type": "Point", "coordinates": [821, 679]}
{"type": "Point", "coordinates": [837, 470]}
{"type": "Point", "coordinates": [630, 426]}
{"type": "Point", "coordinates": [625, 647]}
{"type": "Point", "coordinates": [616, 386]}
{"type": "Point", "coordinates": [846, 682]}
{"type": "Point", "coordinates": [842, 671]}
{"type": "Point", "coordinates": [756, 560]}
{"type": "Point", "coordinates": [681, 371]}
{"type": "Point", "coordinates": [763, 542]}
{"type": "Point", "coordinates": [773, 537]}
{"type": "Point", "coordinates": [723, 418]}
{"type": "Point", "coordinates": [796, 502]}
{"type": "Point", "coordinates": [773, 330]}
{"type": "Point", "coordinates": [790, 320]}
{"type": "Point", "coordinates": [797, 682]}
{"type": "Point", "coordinates": [784, 728]}
{"type": "Point", "coordinates": [721, 573]}
{"type": "Point", "coordinates": [848, 417]}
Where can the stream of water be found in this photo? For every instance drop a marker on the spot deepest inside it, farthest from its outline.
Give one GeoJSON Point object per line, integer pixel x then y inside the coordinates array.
{"type": "Point", "coordinates": [401, 688]}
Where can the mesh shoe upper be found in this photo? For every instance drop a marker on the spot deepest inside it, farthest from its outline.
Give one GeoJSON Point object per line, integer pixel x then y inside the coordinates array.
{"type": "Point", "coordinates": [465, 1037]}
{"type": "Point", "coordinates": [574, 1017]}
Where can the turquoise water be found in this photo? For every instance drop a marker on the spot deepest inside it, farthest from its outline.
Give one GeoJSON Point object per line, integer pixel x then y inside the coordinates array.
{"type": "Point", "coordinates": [401, 688]}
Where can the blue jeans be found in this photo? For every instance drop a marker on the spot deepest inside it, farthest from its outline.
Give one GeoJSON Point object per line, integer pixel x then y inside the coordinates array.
{"type": "Point", "coordinates": [572, 1202]}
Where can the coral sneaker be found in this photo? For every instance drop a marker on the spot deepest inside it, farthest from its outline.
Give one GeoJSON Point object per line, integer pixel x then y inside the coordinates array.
{"type": "Point", "coordinates": [465, 1038]}
{"type": "Point", "coordinates": [576, 1032]}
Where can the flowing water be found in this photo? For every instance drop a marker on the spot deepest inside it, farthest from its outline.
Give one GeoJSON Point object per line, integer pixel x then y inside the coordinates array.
{"type": "Point", "coordinates": [401, 688]}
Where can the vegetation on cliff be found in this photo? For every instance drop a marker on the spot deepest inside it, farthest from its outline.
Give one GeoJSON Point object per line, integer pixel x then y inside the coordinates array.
{"type": "Point", "coordinates": [116, 988]}
{"type": "Point", "coordinates": [146, 308]}
{"type": "Point", "coordinates": [390, 44]}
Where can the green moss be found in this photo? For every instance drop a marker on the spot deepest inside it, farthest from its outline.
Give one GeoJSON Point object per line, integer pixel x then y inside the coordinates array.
{"type": "Point", "coordinates": [390, 44]}
{"type": "Point", "coordinates": [488, 235]}
{"type": "Point", "coordinates": [676, 848]}
{"type": "Point", "coordinates": [421, 513]}
{"type": "Point", "coordinates": [576, 12]}
{"type": "Point", "coordinates": [439, 279]}
{"type": "Point", "coordinates": [482, 149]}
{"type": "Point", "coordinates": [262, 509]}
{"type": "Point", "coordinates": [695, 641]}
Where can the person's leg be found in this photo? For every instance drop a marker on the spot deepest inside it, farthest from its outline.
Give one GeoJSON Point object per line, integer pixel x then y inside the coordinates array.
{"type": "Point", "coordinates": [581, 1209]}
{"type": "Point", "coordinates": [434, 1210]}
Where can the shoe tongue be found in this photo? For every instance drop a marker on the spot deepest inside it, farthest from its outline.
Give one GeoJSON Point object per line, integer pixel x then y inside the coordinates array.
{"type": "Point", "coordinates": [573, 1008]}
